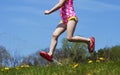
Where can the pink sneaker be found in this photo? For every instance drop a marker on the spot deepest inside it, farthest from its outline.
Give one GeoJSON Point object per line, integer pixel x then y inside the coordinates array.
{"type": "Point", "coordinates": [91, 46]}
{"type": "Point", "coordinates": [46, 56]}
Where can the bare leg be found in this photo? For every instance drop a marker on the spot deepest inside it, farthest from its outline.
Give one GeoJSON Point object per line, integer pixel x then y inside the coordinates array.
{"type": "Point", "coordinates": [59, 30]}
{"type": "Point", "coordinates": [70, 31]}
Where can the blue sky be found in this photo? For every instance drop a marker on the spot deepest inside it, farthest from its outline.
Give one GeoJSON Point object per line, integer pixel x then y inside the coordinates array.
{"type": "Point", "coordinates": [25, 29]}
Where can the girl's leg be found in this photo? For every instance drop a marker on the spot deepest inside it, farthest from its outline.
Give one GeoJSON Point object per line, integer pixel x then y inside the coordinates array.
{"type": "Point", "coordinates": [70, 31]}
{"type": "Point", "coordinates": [60, 29]}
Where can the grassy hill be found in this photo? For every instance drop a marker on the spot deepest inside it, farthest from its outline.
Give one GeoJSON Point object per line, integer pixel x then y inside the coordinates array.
{"type": "Point", "coordinates": [90, 68]}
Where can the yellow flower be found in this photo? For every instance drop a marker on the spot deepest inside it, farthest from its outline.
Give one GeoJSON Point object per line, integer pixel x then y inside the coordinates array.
{"type": "Point", "coordinates": [27, 66]}
{"type": "Point", "coordinates": [2, 69]}
{"type": "Point", "coordinates": [17, 68]}
{"type": "Point", "coordinates": [97, 61]}
{"type": "Point", "coordinates": [89, 74]}
{"type": "Point", "coordinates": [90, 61]}
{"type": "Point", "coordinates": [76, 65]}
{"type": "Point", "coordinates": [6, 68]}
{"type": "Point", "coordinates": [22, 66]}
{"type": "Point", "coordinates": [101, 58]}
{"type": "Point", "coordinates": [59, 63]}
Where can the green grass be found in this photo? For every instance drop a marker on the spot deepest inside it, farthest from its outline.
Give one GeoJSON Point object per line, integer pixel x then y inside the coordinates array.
{"type": "Point", "coordinates": [102, 68]}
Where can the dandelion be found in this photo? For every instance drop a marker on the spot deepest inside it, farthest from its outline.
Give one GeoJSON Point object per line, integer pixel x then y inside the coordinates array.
{"type": "Point", "coordinates": [97, 61]}
{"type": "Point", "coordinates": [17, 68]}
{"type": "Point", "coordinates": [90, 61]}
{"type": "Point", "coordinates": [101, 59]}
{"type": "Point", "coordinates": [89, 74]}
{"type": "Point", "coordinates": [27, 66]}
{"type": "Point", "coordinates": [22, 66]}
{"type": "Point", "coordinates": [76, 65]}
{"type": "Point", "coordinates": [59, 63]}
{"type": "Point", "coordinates": [2, 69]}
{"type": "Point", "coordinates": [6, 68]}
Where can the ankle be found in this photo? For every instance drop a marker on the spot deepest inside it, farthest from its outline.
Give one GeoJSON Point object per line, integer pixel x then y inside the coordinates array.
{"type": "Point", "coordinates": [50, 54]}
{"type": "Point", "coordinates": [89, 41]}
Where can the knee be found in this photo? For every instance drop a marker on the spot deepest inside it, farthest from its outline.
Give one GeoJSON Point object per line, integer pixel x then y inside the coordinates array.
{"type": "Point", "coordinates": [54, 36]}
